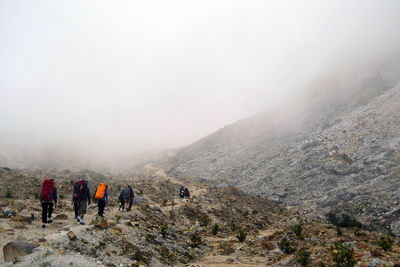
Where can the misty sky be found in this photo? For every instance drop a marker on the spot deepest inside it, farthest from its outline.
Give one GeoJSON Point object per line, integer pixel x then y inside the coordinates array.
{"type": "Point", "coordinates": [161, 74]}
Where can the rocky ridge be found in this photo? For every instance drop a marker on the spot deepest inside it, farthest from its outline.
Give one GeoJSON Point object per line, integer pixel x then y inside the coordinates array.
{"type": "Point", "coordinates": [341, 149]}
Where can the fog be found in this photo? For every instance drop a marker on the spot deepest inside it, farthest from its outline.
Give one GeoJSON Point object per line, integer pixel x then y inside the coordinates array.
{"type": "Point", "coordinates": [118, 77]}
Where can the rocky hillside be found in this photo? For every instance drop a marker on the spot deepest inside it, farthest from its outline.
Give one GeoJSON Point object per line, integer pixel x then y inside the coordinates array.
{"type": "Point", "coordinates": [338, 147]}
{"type": "Point", "coordinates": [216, 227]}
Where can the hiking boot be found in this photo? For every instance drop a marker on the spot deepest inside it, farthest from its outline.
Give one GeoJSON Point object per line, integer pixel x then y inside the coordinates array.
{"type": "Point", "coordinates": [43, 225]}
{"type": "Point", "coordinates": [82, 223]}
{"type": "Point", "coordinates": [49, 220]}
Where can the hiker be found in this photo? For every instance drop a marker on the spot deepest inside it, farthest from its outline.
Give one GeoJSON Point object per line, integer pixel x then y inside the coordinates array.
{"type": "Point", "coordinates": [182, 192]}
{"type": "Point", "coordinates": [48, 195]}
{"type": "Point", "coordinates": [101, 195]}
{"type": "Point", "coordinates": [77, 186]}
{"type": "Point", "coordinates": [83, 199]}
{"type": "Point", "coordinates": [187, 194]}
{"type": "Point", "coordinates": [126, 196]}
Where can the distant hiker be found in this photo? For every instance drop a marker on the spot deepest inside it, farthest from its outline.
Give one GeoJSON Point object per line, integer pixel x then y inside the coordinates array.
{"type": "Point", "coordinates": [182, 192]}
{"type": "Point", "coordinates": [187, 194]}
{"type": "Point", "coordinates": [101, 195]}
{"type": "Point", "coordinates": [77, 187]}
{"type": "Point", "coordinates": [126, 196]}
{"type": "Point", "coordinates": [83, 199]}
{"type": "Point", "coordinates": [48, 195]}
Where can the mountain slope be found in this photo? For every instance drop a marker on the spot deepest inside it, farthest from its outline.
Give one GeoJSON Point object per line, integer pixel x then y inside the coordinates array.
{"type": "Point", "coordinates": [338, 148]}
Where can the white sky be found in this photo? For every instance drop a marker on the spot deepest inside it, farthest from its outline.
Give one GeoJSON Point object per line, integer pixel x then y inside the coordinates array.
{"type": "Point", "coordinates": [160, 74]}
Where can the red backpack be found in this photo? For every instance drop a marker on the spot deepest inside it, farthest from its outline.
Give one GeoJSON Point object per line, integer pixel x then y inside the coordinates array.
{"type": "Point", "coordinates": [46, 192]}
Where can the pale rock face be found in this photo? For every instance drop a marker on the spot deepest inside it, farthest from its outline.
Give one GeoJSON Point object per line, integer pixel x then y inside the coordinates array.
{"type": "Point", "coordinates": [341, 150]}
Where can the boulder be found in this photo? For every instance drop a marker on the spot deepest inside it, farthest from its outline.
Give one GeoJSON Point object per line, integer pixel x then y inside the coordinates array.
{"type": "Point", "coordinates": [15, 250]}
{"type": "Point", "coordinates": [22, 218]}
{"type": "Point", "coordinates": [61, 217]}
{"type": "Point", "coordinates": [138, 200]}
{"type": "Point", "coordinates": [71, 236]}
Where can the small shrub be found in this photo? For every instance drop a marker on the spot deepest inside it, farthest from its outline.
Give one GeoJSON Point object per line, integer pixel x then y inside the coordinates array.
{"type": "Point", "coordinates": [241, 236]}
{"type": "Point", "coordinates": [246, 213]}
{"type": "Point", "coordinates": [140, 192]}
{"type": "Point", "coordinates": [164, 229]}
{"type": "Point", "coordinates": [386, 242]}
{"type": "Point", "coordinates": [343, 255]}
{"type": "Point", "coordinates": [172, 214]}
{"type": "Point", "coordinates": [339, 231]}
{"type": "Point", "coordinates": [195, 240]}
{"type": "Point", "coordinates": [298, 231]}
{"type": "Point", "coordinates": [117, 218]}
{"type": "Point", "coordinates": [233, 227]}
{"type": "Point", "coordinates": [36, 194]}
{"type": "Point", "coordinates": [286, 246]}
{"type": "Point", "coordinates": [344, 220]}
{"type": "Point", "coordinates": [204, 221]}
{"type": "Point", "coordinates": [119, 187]}
{"type": "Point", "coordinates": [71, 182]}
{"type": "Point", "coordinates": [164, 203]}
{"type": "Point", "coordinates": [215, 229]}
{"type": "Point", "coordinates": [173, 202]}
{"type": "Point", "coordinates": [61, 196]}
{"type": "Point", "coordinates": [303, 257]}
{"type": "Point", "coordinates": [8, 194]}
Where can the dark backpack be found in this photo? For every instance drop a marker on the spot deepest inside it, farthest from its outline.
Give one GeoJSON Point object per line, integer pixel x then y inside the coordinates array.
{"type": "Point", "coordinates": [46, 192]}
{"type": "Point", "coordinates": [77, 188]}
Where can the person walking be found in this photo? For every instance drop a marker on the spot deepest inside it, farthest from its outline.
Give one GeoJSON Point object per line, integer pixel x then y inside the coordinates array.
{"type": "Point", "coordinates": [101, 195]}
{"type": "Point", "coordinates": [83, 199]}
{"type": "Point", "coordinates": [48, 196]}
{"type": "Point", "coordinates": [126, 196]}
{"type": "Point", "coordinates": [187, 193]}
{"type": "Point", "coordinates": [77, 187]}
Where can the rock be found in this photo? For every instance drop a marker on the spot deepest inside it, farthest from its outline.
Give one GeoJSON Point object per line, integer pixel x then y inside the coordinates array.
{"type": "Point", "coordinates": [15, 250]}
{"type": "Point", "coordinates": [46, 264]}
{"type": "Point", "coordinates": [268, 245]}
{"type": "Point", "coordinates": [61, 217]}
{"type": "Point", "coordinates": [128, 223]}
{"type": "Point", "coordinates": [227, 251]}
{"type": "Point", "coordinates": [7, 213]}
{"type": "Point", "coordinates": [375, 263]}
{"type": "Point", "coordinates": [71, 236]}
{"type": "Point", "coordinates": [84, 241]}
{"type": "Point", "coordinates": [229, 260]}
{"type": "Point", "coordinates": [139, 200]}
{"type": "Point", "coordinates": [103, 224]}
{"type": "Point", "coordinates": [23, 219]}
{"type": "Point", "coordinates": [35, 215]}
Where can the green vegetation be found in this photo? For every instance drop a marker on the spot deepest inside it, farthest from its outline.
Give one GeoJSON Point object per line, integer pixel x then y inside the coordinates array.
{"type": "Point", "coordinates": [36, 194]}
{"type": "Point", "coordinates": [241, 236]}
{"type": "Point", "coordinates": [8, 194]}
{"type": "Point", "coordinates": [286, 246]}
{"type": "Point", "coordinates": [164, 229]}
{"type": "Point", "coordinates": [339, 231]}
{"type": "Point", "coordinates": [117, 218]}
{"type": "Point", "coordinates": [195, 240]}
{"type": "Point", "coordinates": [386, 242]}
{"type": "Point", "coordinates": [303, 257]}
{"type": "Point", "coordinates": [204, 221]}
{"type": "Point", "coordinates": [215, 229]}
{"type": "Point", "coordinates": [233, 227]}
{"type": "Point", "coordinates": [342, 255]}
{"type": "Point", "coordinates": [344, 220]}
{"type": "Point", "coordinates": [298, 231]}
{"type": "Point", "coordinates": [172, 214]}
